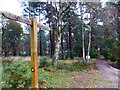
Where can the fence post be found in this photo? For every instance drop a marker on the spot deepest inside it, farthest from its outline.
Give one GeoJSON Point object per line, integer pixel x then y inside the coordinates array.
{"type": "Point", "coordinates": [34, 53]}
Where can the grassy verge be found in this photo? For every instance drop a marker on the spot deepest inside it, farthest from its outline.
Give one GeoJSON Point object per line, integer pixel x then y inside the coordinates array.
{"type": "Point", "coordinates": [68, 74]}
{"type": "Point", "coordinates": [93, 59]}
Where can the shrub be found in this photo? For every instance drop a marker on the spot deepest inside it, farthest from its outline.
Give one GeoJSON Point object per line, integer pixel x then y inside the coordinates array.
{"type": "Point", "coordinates": [93, 53]}
{"type": "Point", "coordinates": [17, 75]}
{"type": "Point", "coordinates": [105, 53]}
{"type": "Point", "coordinates": [76, 66]}
{"type": "Point", "coordinates": [115, 55]}
{"type": "Point", "coordinates": [43, 63]}
{"type": "Point", "coordinates": [50, 69]}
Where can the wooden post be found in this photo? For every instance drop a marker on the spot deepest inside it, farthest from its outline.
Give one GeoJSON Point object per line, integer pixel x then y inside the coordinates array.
{"type": "Point", "coordinates": [34, 53]}
{"type": "Point", "coordinates": [33, 42]}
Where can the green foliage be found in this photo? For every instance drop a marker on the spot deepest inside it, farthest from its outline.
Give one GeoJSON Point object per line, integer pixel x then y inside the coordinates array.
{"type": "Point", "coordinates": [93, 54]}
{"type": "Point", "coordinates": [105, 52]}
{"type": "Point", "coordinates": [43, 63]}
{"type": "Point", "coordinates": [114, 55]}
{"type": "Point", "coordinates": [108, 45]}
{"type": "Point", "coordinates": [93, 59]}
{"type": "Point", "coordinates": [67, 54]}
{"type": "Point", "coordinates": [11, 37]}
{"type": "Point", "coordinates": [17, 75]}
{"type": "Point", "coordinates": [77, 66]}
{"type": "Point", "coordinates": [111, 50]}
{"type": "Point", "coordinates": [50, 69]}
{"type": "Point", "coordinates": [78, 50]}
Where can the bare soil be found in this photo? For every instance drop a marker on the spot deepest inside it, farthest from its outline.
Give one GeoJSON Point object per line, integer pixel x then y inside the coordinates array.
{"type": "Point", "coordinates": [109, 74]}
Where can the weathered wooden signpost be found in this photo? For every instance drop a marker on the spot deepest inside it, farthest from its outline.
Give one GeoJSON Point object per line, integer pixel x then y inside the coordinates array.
{"type": "Point", "coordinates": [33, 42]}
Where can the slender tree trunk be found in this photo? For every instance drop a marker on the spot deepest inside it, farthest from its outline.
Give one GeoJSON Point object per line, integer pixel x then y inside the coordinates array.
{"type": "Point", "coordinates": [58, 40]}
{"type": "Point", "coordinates": [77, 42]}
{"type": "Point", "coordinates": [53, 26]}
{"type": "Point", "coordinates": [62, 52]}
{"type": "Point", "coordinates": [53, 40]}
{"type": "Point", "coordinates": [14, 49]}
{"type": "Point", "coordinates": [83, 35]}
{"type": "Point", "coordinates": [89, 43]}
{"type": "Point", "coordinates": [52, 33]}
{"type": "Point", "coordinates": [14, 52]}
{"type": "Point", "coordinates": [51, 43]}
{"type": "Point", "coordinates": [67, 45]}
{"type": "Point", "coordinates": [70, 41]}
{"type": "Point", "coordinates": [29, 32]}
{"type": "Point", "coordinates": [41, 51]}
{"type": "Point", "coordinates": [83, 43]}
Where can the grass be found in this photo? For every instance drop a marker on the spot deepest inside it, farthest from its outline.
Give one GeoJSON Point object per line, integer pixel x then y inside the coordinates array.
{"type": "Point", "coordinates": [65, 74]}
{"type": "Point", "coordinates": [114, 74]}
{"type": "Point", "coordinates": [98, 79]}
{"type": "Point", "coordinates": [93, 59]}
{"type": "Point", "coordinates": [57, 79]}
{"type": "Point", "coordinates": [109, 81]}
{"type": "Point", "coordinates": [68, 74]}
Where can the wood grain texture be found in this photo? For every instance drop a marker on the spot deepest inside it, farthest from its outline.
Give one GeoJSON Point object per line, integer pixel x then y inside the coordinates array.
{"type": "Point", "coordinates": [34, 53]}
{"type": "Point", "coordinates": [23, 20]}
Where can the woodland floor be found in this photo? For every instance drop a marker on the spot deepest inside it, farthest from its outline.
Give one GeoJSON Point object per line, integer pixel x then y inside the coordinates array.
{"type": "Point", "coordinates": [104, 76]}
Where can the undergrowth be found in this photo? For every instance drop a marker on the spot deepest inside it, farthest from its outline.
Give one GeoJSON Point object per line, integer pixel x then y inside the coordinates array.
{"type": "Point", "coordinates": [17, 74]}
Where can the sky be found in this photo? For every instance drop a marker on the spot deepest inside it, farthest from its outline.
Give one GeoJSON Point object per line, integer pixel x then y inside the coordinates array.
{"type": "Point", "coordinates": [12, 6]}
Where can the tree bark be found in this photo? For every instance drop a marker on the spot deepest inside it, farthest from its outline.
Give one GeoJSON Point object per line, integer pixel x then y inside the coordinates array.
{"type": "Point", "coordinates": [52, 33]}
{"type": "Point", "coordinates": [83, 43]}
{"type": "Point", "coordinates": [62, 48]}
{"type": "Point", "coordinates": [70, 41]}
{"type": "Point", "coordinates": [51, 43]}
{"type": "Point", "coordinates": [89, 43]}
{"type": "Point", "coordinates": [41, 51]}
{"type": "Point", "coordinates": [57, 47]}
{"type": "Point", "coordinates": [40, 37]}
{"type": "Point", "coordinates": [58, 40]}
{"type": "Point", "coordinates": [67, 45]}
{"type": "Point", "coordinates": [83, 36]}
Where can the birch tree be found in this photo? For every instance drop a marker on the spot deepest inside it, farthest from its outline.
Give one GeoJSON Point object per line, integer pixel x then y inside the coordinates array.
{"type": "Point", "coordinates": [83, 33]}
{"type": "Point", "coordinates": [89, 43]}
{"type": "Point", "coordinates": [58, 39]}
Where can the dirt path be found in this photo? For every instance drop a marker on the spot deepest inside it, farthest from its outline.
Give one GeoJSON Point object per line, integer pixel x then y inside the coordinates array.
{"type": "Point", "coordinates": [109, 74]}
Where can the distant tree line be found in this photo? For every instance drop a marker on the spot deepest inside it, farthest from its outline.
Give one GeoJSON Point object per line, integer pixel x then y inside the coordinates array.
{"type": "Point", "coordinates": [81, 29]}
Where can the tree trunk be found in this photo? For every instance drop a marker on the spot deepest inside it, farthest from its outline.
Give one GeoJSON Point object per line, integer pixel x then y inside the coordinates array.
{"type": "Point", "coordinates": [51, 43]}
{"type": "Point", "coordinates": [14, 49]}
{"type": "Point", "coordinates": [89, 43]}
{"type": "Point", "coordinates": [67, 45]}
{"type": "Point", "coordinates": [53, 40]}
{"type": "Point", "coordinates": [57, 47]}
{"type": "Point", "coordinates": [58, 39]}
{"type": "Point", "coordinates": [62, 52]}
{"type": "Point", "coordinates": [14, 52]}
{"type": "Point", "coordinates": [70, 41]}
{"type": "Point", "coordinates": [41, 52]}
{"type": "Point", "coordinates": [83, 36]}
{"type": "Point", "coordinates": [83, 43]}
{"type": "Point", "coordinates": [52, 33]}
